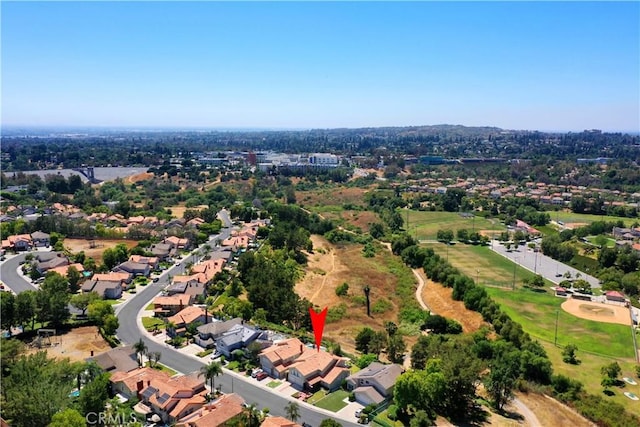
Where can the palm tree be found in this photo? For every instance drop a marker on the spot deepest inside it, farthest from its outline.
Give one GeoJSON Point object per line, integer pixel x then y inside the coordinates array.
{"type": "Point", "coordinates": [211, 371]}
{"type": "Point", "coordinates": [293, 411]}
{"type": "Point", "coordinates": [140, 348]}
{"type": "Point", "coordinates": [251, 416]}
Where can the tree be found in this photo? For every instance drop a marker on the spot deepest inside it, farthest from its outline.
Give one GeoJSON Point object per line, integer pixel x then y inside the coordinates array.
{"type": "Point", "coordinates": [68, 418]}
{"type": "Point", "coordinates": [110, 324]}
{"type": "Point", "coordinates": [569, 354]}
{"type": "Point", "coordinates": [53, 299]}
{"type": "Point", "coordinates": [328, 422]}
{"type": "Point", "coordinates": [83, 300]}
{"type": "Point", "coordinates": [211, 371]}
{"type": "Point", "coordinates": [293, 411]}
{"type": "Point", "coordinates": [154, 358]}
{"type": "Point", "coordinates": [396, 348]}
{"type": "Point", "coordinates": [537, 281]}
{"type": "Point", "coordinates": [501, 381]}
{"type": "Point", "coordinates": [420, 419]}
{"type": "Point", "coordinates": [26, 308]}
{"type": "Point", "coordinates": [7, 310]}
{"type": "Point", "coordinates": [376, 230]}
{"type": "Point", "coordinates": [74, 277]}
{"type": "Point", "coordinates": [363, 339]}
{"type": "Point", "coordinates": [141, 349]}
{"type": "Point", "coordinates": [444, 236]}
{"type": "Point", "coordinates": [94, 395]}
{"type": "Point", "coordinates": [378, 342]}
{"type": "Point", "coordinates": [611, 371]}
{"type": "Point", "coordinates": [251, 416]}
{"type": "Point", "coordinates": [99, 310]}
{"type": "Point", "coordinates": [463, 234]}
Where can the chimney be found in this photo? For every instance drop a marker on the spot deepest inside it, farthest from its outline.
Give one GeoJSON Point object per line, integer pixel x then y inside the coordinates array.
{"type": "Point", "coordinates": [139, 385]}
{"type": "Point", "coordinates": [301, 348]}
{"type": "Point", "coordinates": [148, 383]}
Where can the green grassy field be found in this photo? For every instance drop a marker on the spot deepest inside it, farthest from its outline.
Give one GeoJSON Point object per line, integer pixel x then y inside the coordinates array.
{"type": "Point", "coordinates": [588, 373]}
{"type": "Point", "coordinates": [610, 243]}
{"type": "Point", "coordinates": [587, 218]}
{"type": "Point", "coordinates": [152, 322]}
{"type": "Point", "coordinates": [479, 262]}
{"type": "Point", "coordinates": [537, 312]}
{"type": "Point", "coordinates": [425, 224]}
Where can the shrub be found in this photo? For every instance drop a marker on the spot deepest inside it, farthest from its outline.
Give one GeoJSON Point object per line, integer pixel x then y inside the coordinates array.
{"type": "Point", "coordinates": [381, 306]}
{"type": "Point", "coordinates": [392, 412]}
{"type": "Point", "coordinates": [352, 397]}
{"type": "Point", "coordinates": [342, 290]}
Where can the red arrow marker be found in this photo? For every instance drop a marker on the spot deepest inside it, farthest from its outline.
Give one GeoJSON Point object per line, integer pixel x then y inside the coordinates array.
{"type": "Point", "coordinates": [317, 322]}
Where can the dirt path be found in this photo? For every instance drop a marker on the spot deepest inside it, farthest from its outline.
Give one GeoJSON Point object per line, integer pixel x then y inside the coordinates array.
{"type": "Point", "coordinates": [529, 416]}
{"type": "Point", "coordinates": [324, 279]}
{"type": "Point", "coordinates": [416, 273]}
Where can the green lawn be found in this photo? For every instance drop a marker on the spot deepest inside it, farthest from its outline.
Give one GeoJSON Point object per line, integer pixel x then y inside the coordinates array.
{"type": "Point", "coordinates": [333, 401]}
{"type": "Point", "coordinates": [161, 367]}
{"type": "Point", "coordinates": [587, 218]}
{"type": "Point", "coordinates": [149, 307]}
{"type": "Point", "coordinates": [274, 384]}
{"type": "Point", "coordinates": [317, 396]}
{"type": "Point", "coordinates": [588, 373]}
{"type": "Point", "coordinates": [610, 243]}
{"type": "Point", "coordinates": [152, 322]}
{"type": "Point", "coordinates": [482, 263]}
{"type": "Point", "coordinates": [425, 224]}
{"type": "Point", "coordinates": [537, 312]}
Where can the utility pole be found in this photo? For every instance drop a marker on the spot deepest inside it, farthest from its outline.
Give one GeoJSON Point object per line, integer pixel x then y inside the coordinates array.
{"type": "Point", "coordinates": [366, 294]}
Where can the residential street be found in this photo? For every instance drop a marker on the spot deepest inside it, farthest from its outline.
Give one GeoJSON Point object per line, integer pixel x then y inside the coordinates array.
{"type": "Point", "coordinates": [9, 274]}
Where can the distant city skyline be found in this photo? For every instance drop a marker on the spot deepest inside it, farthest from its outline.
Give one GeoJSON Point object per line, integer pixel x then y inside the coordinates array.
{"type": "Point", "coordinates": [545, 66]}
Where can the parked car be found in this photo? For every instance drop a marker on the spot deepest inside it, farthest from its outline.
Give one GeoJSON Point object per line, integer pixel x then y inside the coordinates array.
{"type": "Point", "coordinates": [358, 413]}
{"type": "Point", "coordinates": [261, 376]}
{"type": "Point", "coordinates": [255, 372]}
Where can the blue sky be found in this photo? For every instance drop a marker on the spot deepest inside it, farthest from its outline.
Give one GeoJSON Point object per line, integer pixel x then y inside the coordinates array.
{"type": "Point", "coordinates": [516, 65]}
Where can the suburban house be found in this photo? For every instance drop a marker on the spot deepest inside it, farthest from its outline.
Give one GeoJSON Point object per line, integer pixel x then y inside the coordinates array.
{"type": "Point", "coordinates": [374, 384]}
{"type": "Point", "coordinates": [153, 262]}
{"type": "Point", "coordinates": [40, 239]}
{"type": "Point", "coordinates": [237, 242]}
{"type": "Point", "coordinates": [120, 276]}
{"type": "Point", "coordinates": [106, 289]}
{"type": "Point", "coordinates": [19, 242]}
{"type": "Point", "coordinates": [177, 243]}
{"type": "Point", "coordinates": [210, 332]}
{"type": "Point", "coordinates": [207, 270]}
{"type": "Point", "coordinates": [184, 317]}
{"type": "Point", "coordinates": [176, 397]}
{"type": "Point", "coordinates": [278, 422]}
{"type": "Point", "coordinates": [277, 359]}
{"type": "Point", "coordinates": [214, 414]}
{"type": "Point", "coordinates": [315, 369]}
{"type": "Point", "coordinates": [47, 261]}
{"type": "Point", "coordinates": [64, 269]}
{"type": "Point", "coordinates": [238, 337]}
{"type": "Point", "coordinates": [195, 222]}
{"type": "Point", "coordinates": [169, 305]}
{"type": "Point", "coordinates": [130, 384]}
{"type": "Point", "coordinates": [189, 285]}
{"type": "Point", "coordinates": [223, 254]}
{"type": "Point", "coordinates": [119, 359]}
{"type": "Point", "coordinates": [162, 251]}
{"type": "Point", "coordinates": [134, 268]}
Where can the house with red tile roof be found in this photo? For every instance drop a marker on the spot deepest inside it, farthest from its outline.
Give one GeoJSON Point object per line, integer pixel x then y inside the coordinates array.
{"type": "Point", "coordinates": [314, 369]}
{"type": "Point", "coordinates": [277, 359]}
{"type": "Point", "coordinates": [184, 317]}
{"type": "Point", "coordinates": [18, 242]}
{"type": "Point", "coordinates": [213, 414]}
{"type": "Point", "coordinates": [278, 422]}
{"type": "Point", "coordinates": [175, 397]}
{"type": "Point", "coordinates": [170, 305]}
{"type": "Point", "coordinates": [64, 269]}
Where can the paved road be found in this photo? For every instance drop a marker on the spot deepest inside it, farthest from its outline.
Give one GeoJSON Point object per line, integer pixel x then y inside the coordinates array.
{"type": "Point", "coordinates": [130, 332]}
{"type": "Point", "coordinates": [541, 264]}
{"type": "Point", "coordinates": [9, 274]}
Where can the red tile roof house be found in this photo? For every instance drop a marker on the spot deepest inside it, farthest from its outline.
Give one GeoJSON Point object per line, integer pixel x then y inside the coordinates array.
{"type": "Point", "coordinates": [315, 369]}
{"type": "Point", "coordinates": [19, 242]}
{"type": "Point", "coordinates": [278, 422]}
{"type": "Point", "coordinates": [169, 397]}
{"type": "Point", "coordinates": [170, 305]}
{"type": "Point", "coordinates": [47, 261]}
{"type": "Point", "coordinates": [120, 276]}
{"type": "Point", "coordinates": [176, 242]}
{"type": "Point", "coordinates": [184, 317]}
{"type": "Point", "coordinates": [277, 359]}
{"type": "Point", "coordinates": [64, 269]}
{"type": "Point", "coordinates": [214, 414]}
{"type": "Point", "coordinates": [153, 262]}
{"type": "Point", "coordinates": [615, 296]}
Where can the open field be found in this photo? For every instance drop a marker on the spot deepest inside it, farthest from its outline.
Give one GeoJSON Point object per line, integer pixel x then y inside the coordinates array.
{"type": "Point", "coordinates": [331, 196]}
{"type": "Point", "coordinates": [482, 264]}
{"type": "Point", "coordinates": [75, 344]}
{"type": "Point", "coordinates": [178, 210]}
{"type": "Point", "coordinates": [609, 313]}
{"type": "Point", "coordinates": [132, 179]}
{"type": "Point", "coordinates": [570, 217]}
{"type": "Point", "coordinates": [537, 313]}
{"type": "Point", "coordinates": [588, 373]}
{"type": "Point", "coordinates": [425, 224]}
{"type": "Point", "coordinates": [331, 265]}
{"type": "Point", "coordinates": [99, 246]}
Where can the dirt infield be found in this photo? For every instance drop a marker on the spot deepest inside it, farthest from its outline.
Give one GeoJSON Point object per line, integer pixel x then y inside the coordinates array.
{"type": "Point", "coordinates": [75, 344]}
{"type": "Point", "coordinates": [608, 313]}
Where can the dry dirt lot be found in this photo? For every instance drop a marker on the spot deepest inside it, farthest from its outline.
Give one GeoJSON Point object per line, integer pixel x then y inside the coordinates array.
{"type": "Point", "coordinates": [331, 265]}
{"type": "Point", "coordinates": [95, 248]}
{"type": "Point", "coordinates": [178, 210]}
{"type": "Point", "coordinates": [139, 177]}
{"type": "Point", "coordinates": [608, 313]}
{"type": "Point", "coordinates": [439, 300]}
{"type": "Point", "coordinates": [75, 344]}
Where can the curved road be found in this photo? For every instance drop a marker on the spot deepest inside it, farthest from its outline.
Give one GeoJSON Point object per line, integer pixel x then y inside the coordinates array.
{"type": "Point", "coordinates": [130, 332]}
{"type": "Point", "coordinates": [10, 277]}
